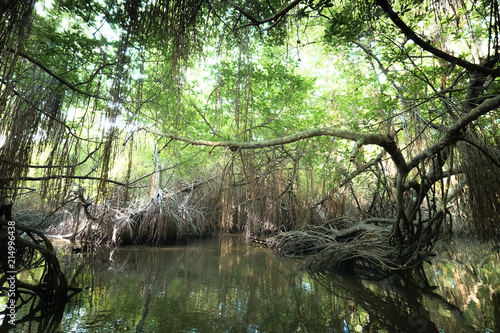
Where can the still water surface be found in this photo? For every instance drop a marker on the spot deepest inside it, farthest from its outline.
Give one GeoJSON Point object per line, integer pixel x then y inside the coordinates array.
{"type": "Point", "coordinates": [230, 285]}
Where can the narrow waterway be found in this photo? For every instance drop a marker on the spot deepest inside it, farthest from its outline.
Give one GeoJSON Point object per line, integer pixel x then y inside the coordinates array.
{"type": "Point", "coordinates": [230, 285]}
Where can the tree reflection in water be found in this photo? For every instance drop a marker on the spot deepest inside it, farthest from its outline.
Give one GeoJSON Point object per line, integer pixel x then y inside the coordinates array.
{"type": "Point", "coordinates": [227, 285]}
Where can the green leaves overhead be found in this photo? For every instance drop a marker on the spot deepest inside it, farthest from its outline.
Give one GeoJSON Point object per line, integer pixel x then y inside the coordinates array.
{"type": "Point", "coordinates": [248, 70]}
{"type": "Point", "coordinates": [347, 21]}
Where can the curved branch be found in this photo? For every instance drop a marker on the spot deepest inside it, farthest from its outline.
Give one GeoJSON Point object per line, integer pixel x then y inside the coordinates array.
{"type": "Point", "coordinates": [385, 141]}
{"type": "Point", "coordinates": [275, 16]}
{"type": "Point", "coordinates": [386, 7]}
{"type": "Point", "coordinates": [60, 79]}
{"type": "Point", "coordinates": [454, 132]}
{"type": "Point", "coordinates": [92, 76]}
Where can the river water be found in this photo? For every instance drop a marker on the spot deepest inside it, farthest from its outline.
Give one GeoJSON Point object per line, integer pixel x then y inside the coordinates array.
{"type": "Point", "coordinates": [227, 284]}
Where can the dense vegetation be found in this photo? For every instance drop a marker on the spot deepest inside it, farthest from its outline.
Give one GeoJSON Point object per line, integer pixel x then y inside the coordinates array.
{"type": "Point", "coordinates": [365, 130]}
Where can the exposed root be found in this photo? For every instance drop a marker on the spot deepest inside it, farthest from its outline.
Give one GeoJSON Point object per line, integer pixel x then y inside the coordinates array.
{"type": "Point", "coordinates": [45, 290]}
{"type": "Point", "coordinates": [166, 218]}
{"type": "Point", "coordinates": [353, 247]}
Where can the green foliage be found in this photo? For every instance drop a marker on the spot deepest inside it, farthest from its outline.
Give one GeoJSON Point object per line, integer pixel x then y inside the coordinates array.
{"type": "Point", "coordinates": [348, 21]}
{"type": "Point", "coordinates": [205, 72]}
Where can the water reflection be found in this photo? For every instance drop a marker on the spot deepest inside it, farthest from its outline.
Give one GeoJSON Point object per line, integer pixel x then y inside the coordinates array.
{"type": "Point", "coordinates": [467, 279]}
{"type": "Point", "coordinates": [227, 285]}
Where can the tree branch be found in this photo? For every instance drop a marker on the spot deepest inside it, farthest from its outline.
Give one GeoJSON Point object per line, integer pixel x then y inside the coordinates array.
{"type": "Point", "coordinates": [9, 179]}
{"type": "Point", "coordinates": [62, 122]}
{"type": "Point", "coordinates": [348, 178]}
{"type": "Point", "coordinates": [386, 7]}
{"type": "Point", "coordinates": [60, 79]}
{"type": "Point", "coordinates": [275, 16]}
{"type": "Point", "coordinates": [31, 166]}
{"type": "Point", "coordinates": [385, 141]}
{"type": "Point", "coordinates": [454, 132]}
